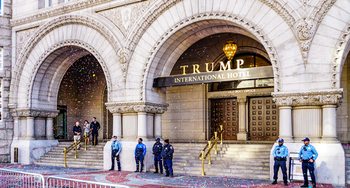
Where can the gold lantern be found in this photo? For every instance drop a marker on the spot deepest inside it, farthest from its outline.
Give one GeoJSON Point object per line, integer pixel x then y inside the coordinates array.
{"type": "Point", "coordinates": [230, 48]}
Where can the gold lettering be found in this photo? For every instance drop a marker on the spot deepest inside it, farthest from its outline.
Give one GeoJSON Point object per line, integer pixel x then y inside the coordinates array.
{"type": "Point", "coordinates": [214, 76]}
{"type": "Point", "coordinates": [190, 79]}
{"type": "Point", "coordinates": [195, 78]}
{"type": "Point", "coordinates": [207, 67]}
{"type": "Point", "coordinates": [184, 69]}
{"type": "Point", "coordinates": [224, 67]}
{"type": "Point", "coordinates": [177, 80]}
{"type": "Point", "coordinates": [195, 69]}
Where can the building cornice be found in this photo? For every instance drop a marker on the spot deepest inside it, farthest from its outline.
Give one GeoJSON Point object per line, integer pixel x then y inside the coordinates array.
{"type": "Point", "coordinates": [33, 113]}
{"type": "Point", "coordinates": [312, 98]}
{"type": "Point", "coordinates": [134, 107]}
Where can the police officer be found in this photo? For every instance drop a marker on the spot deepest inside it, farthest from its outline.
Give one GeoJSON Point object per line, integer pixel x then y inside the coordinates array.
{"type": "Point", "coordinates": [95, 127]}
{"type": "Point", "coordinates": [140, 152]}
{"type": "Point", "coordinates": [307, 156]}
{"type": "Point", "coordinates": [157, 150]}
{"type": "Point", "coordinates": [280, 154]}
{"type": "Point", "coordinates": [116, 149]}
{"type": "Point", "coordinates": [167, 154]}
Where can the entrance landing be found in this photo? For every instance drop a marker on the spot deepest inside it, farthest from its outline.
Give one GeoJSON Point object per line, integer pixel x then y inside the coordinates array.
{"type": "Point", "coordinates": [148, 180]}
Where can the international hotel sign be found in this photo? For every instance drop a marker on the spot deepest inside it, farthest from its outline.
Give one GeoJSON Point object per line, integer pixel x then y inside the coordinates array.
{"type": "Point", "coordinates": [215, 76]}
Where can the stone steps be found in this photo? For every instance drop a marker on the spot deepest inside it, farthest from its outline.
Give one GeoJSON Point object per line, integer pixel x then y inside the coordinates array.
{"type": "Point", "coordinates": [84, 160]}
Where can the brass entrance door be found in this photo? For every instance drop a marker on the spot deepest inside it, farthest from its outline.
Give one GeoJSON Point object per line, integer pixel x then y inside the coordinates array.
{"type": "Point", "coordinates": [225, 112]}
{"type": "Point", "coordinates": [263, 119]}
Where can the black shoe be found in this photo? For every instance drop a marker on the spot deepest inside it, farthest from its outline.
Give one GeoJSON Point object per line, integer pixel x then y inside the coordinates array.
{"type": "Point", "coordinates": [171, 175]}
{"type": "Point", "coordinates": [304, 185]}
{"type": "Point", "coordinates": [137, 171]}
{"type": "Point", "coordinates": [286, 184]}
{"type": "Point", "coordinates": [166, 175]}
{"type": "Point", "coordinates": [161, 172]}
{"type": "Point", "coordinates": [155, 172]}
{"type": "Point", "coordinates": [111, 169]}
{"type": "Point", "coordinates": [119, 170]}
{"type": "Point", "coordinates": [274, 183]}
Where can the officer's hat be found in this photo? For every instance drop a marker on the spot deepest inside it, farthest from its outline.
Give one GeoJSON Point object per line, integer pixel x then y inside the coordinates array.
{"type": "Point", "coordinates": [157, 139]}
{"type": "Point", "coordinates": [114, 137]}
{"type": "Point", "coordinates": [280, 140]}
{"type": "Point", "coordinates": [306, 139]}
{"type": "Point", "coordinates": [166, 140]}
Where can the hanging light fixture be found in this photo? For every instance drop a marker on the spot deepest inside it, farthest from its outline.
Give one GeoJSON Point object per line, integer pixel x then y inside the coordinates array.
{"type": "Point", "coordinates": [230, 48]}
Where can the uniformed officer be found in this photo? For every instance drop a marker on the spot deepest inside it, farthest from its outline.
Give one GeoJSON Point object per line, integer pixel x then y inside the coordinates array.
{"type": "Point", "coordinates": [116, 149]}
{"type": "Point", "coordinates": [167, 154]}
{"type": "Point", "coordinates": [307, 156]}
{"type": "Point", "coordinates": [280, 154]}
{"type": "Point", "coordinates": [157, 150]}
{"type": "Point", "coordinates": [140, 152]}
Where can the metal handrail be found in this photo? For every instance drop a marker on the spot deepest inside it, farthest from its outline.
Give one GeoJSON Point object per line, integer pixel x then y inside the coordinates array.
{"type": "Point", "coordinates": [215, 138]}
{"type": "Point", "coordinates": [74, 145]}
{"type": "Point", "coordinates": [69, 180]}
{"type": "Point", "coordinates": [17, 178]}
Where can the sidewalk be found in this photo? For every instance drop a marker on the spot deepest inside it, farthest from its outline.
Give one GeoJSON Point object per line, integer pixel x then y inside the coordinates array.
{"type": "Point", "coordinates": [148, 180]}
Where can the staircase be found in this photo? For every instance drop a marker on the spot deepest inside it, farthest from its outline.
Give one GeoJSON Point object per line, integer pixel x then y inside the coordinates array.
{"type": "Point", "coordinates": [235, 160]}
{"type": "Point", "coordinates": [347, 164]}
{"type": "Point", "coordinates": [91, 158]}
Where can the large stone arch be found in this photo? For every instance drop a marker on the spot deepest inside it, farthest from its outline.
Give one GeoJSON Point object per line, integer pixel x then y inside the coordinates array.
{"type": "Point", "coordinates": [32, 72]}
{"type": "Point", "coordinates": [275, 35]}
{"type": "Point", "coordinates": [330, 46]}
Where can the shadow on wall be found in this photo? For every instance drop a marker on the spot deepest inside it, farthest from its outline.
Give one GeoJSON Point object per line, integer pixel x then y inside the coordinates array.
{"type": "Point", "coordinates": [324, 173]}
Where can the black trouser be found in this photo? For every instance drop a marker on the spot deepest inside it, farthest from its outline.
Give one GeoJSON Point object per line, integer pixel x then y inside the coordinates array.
{"type": "Point", "coordinates": [94, 139]}
{"type": "Point", "coordinates": [276, 167]}
{"type": "Point", "coordinates": [139, 159]}
{"type": "Point", "coordinates": [306, 165]}
{"type": "Point", "coordinates": [113, 159]}
{"type": "Point", "coordinates": [158, 160]}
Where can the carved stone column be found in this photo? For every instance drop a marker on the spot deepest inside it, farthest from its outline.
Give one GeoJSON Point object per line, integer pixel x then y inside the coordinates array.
{"type": "Point", "coordinates": [285, 129]}
{"type": "Point", "coordinates": [30, 129]}
{"type": "Point", "coordinates": [142, 125]}
{"type": "Point", "coordinates": [117, 125]}
{"type": "Point", "coordinates": [329, 123]}
{"type": "Point", "coordinates": [242, 134]}
{"type": "Point", "coordinates": [16, 127]}
{"type": "Point", "coordinates": [49, 128]}
{"type": "Point", "coordinates": [150, 126]}
{"type": "Point", "coordinates": [158, 126]}
{"type": "Point", "coordinates": [307, 122]}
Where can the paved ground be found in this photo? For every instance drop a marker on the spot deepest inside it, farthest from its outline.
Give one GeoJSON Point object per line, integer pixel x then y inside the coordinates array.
{"type": "Point", "coordinates": [148, 180]}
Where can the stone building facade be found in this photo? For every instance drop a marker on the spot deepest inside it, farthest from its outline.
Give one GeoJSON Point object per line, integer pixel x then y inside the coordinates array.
{"type": "Point", "coordinates": [305, 42]}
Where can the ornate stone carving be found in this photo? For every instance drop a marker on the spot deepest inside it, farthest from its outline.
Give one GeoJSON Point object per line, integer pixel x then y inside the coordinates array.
{"type": "Point", "coordinates": [233, 18]}
{"type": "Point", "coordinates": [48, 27]}
{"type": "Point", "coordinates": [305, 30]}
{"type": "Point", "coordinates": [304, 2]}
{"type": "Point", "coordinates": [242, 99]}
{"type": "Point", "coordinates": [321, 10]}
{"type": "Point", "coordinates": [78, 43]}
{"type": "Point", "coordinates": [124, 16]}
{"type": "Point", "coordinates": [22, 37]}
{"type": "Point", "coordinates": [315, 98]}
{"type": "Point", "coordinates": [124, 56]}
{"type": "Point", "coordinates": [134, 107]}
{"type": "Point", "coordinates": [33, 113]}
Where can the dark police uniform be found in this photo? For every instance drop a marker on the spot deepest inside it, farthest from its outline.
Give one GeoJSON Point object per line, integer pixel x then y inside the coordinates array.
{"type": "Point", "coordinates": [140, 152]}
{"type": "Point", "coordinates": [306, 153]}
{"type": "Point", "coordinates": [157, 150]}
{"type": "Point", "coordinates": [115, 148]}
{"type": "Point", "coordinates": [280, 154]}
{"type": "Point", "coordinates": [95, 127]}
{"type": "Point", "coordinates": [167, 154]}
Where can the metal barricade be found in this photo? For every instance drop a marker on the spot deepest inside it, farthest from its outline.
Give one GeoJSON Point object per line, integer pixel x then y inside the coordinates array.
{"type": "Point", "coordinates": [55, 182]}
{"type": "Point", "coordinates": [18, 179]}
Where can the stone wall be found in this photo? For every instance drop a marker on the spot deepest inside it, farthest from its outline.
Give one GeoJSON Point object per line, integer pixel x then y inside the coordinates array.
{"type": "Point", "coordinates": [185, 118]}
{"type": "Point", "coordinates": [6, 124]}
{"type": "Point", "coordinates": [344, 109]}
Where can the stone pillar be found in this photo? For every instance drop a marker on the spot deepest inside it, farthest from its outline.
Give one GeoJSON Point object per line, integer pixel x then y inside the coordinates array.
{"type": "Point", "coordinates": [16, 128]}
{"type": "Point", "coordinates": [49, 128]}
{"type": "Point", "coordinates": [158, 126]}
{"type": "Point", "coordinates": [242, 134]}
{"type": "Point", "coordinates": [23, 123]}
{"type": "Point", "coordinates": [150, 126]}
{"type": "Point", "coordinates": [307, 122]}
{"type": "Point", "coordinates": [117, 125]}
{"type": "Point", "coordinates": [142, 125]}
{"type": "Point", "coordinates": [329, 123]}
{"type": "Point", "coordinates": [130, 126]}
{"type": "Point", "coordinates": [30, 128]}
{"type": "Point", "coordinates": [285, 119]}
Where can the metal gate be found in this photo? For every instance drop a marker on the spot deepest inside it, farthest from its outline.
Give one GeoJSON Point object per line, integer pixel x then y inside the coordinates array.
{"type": "Point", "coordinates": [225, 112]}
{"type": "Point", "coordinates": [263, 119]}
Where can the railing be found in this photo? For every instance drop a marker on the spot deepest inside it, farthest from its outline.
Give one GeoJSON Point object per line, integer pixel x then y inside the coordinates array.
{"type": "Point", "coordinates": [74, 145]}
{"type": "Point", "coordinates": [210, 146]}
{"type": "Point", "coordinates": [53, 182]}
{"type": "Point", "coordinates": [13, 178]}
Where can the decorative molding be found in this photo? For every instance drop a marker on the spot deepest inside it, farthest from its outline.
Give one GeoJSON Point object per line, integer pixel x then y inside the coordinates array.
{"type": "Point", "coordinates": [338, 55]}
{"type": "Point", "coordinates": [124, 56]}
{"type": "Point", "coordinates": [305, 30]}
{"type": "Point", "coordinates": [242, 99]}
{"type": "Point", "coordinates": [61, 44]}
{"type": "Point", "coordinates": [304, 2]}
{"type": "Point", "coordinates": [48, 27]}
{"type": "Point", "coordinates": [321, 10]}
{"type": "Point", "coordinates": [240, 21]}
{"type": "Point", "coordinates": [64, 9]}
{"type": "Point", "coordinates": [313, 98]}
{"type": "Point", "coordinates": [134, 107]}
{"type": "Point", "coordinates": [34, 113]}
{"type": "Point", "coordinates": [22, 38]}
